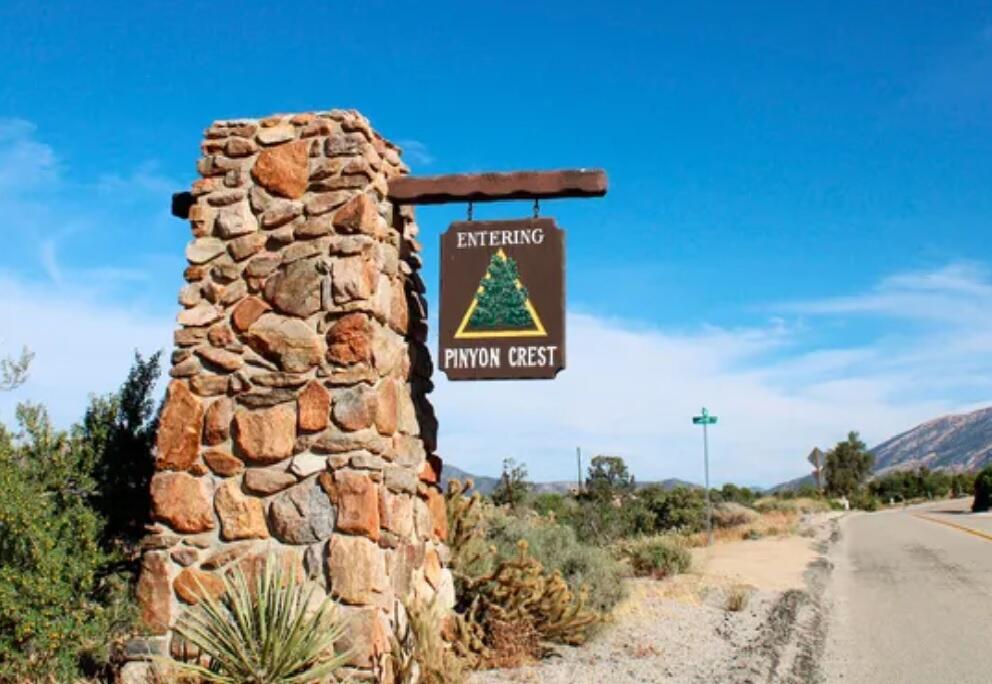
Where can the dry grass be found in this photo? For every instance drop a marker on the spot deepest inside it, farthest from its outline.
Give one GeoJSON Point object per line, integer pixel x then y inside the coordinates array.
{"type": "Point", "coordinates": [770, 504]}
{"type": "Point", "coordinates": [731, 514]}
{"type": "Point", "coordinates": [770, 524]}
{"type": "Point", "coordinates": [737, 598]}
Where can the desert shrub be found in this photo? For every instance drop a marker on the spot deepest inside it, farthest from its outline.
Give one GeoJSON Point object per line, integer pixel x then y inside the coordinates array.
{"type": "Point", "coordinates": [983, 490]}
{"type": "Point", "coordinates": [420, 654]}
{"type": "Point", "coordinates": [597, 519]}
{"type": "Point", "coordinates": [557, 548]}
{"type": "Point", "coordinates": [922, 483]}
{"type": "Point", "coordinates": [730, 514]}
{"type": "Point", "coordinates": [508, 607]}
{"type": "Point", "coordinates": [863, 500]}
{"type": "Point", "coordinates": [737, 598]}
{"type": "Point", "coordinates": [962, 484]}
{"type": "Point", "coordinates": [513, 486]}
{"type": "Point", "coordinates": [552, 504]}
{"type": "Point", "coordinates": [263, 629]}
{"type": "Point", "coordinates": [732, 493]}
{"type": "Point", "coordinates": [770, 504]}
{"type": "Point", "coordinates": [656, 557]}
{"type": "Point", "coordinates": [681, 509]}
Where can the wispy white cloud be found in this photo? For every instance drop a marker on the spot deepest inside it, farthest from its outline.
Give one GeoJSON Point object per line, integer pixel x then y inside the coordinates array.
{"type": "Point", "coordinates": [54, 229]}
{"type": "Point", "coordinates": [632, 390]}
{"type": "Point", "coordinates": [416, 152]}
{"type": "Point", "coordinates": [146, 179]}
{"type": "Point", "coordinates": [956, 293]}
{"type": "Point", "coordinates": [25, 162]}
{"type": "Point", "coordinates": [82, 344]}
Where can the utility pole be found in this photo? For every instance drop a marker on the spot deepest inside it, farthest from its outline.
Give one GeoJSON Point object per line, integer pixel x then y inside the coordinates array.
{"type": "Point", "coordinates": [578, 462]}
{"type": "Point", "coordinates": [706, 420]}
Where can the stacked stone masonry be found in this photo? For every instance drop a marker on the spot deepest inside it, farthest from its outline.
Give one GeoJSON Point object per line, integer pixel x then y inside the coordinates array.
{"type": "Point", "coordinates": [296, 421]}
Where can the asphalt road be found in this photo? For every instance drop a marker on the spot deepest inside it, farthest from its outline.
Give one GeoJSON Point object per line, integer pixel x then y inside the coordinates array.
{"type": "Point", "coordinates": [910, 599]}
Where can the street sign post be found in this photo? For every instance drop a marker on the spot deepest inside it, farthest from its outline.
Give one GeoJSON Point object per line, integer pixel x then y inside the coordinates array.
{"type": "Point", "coordinates": [705, 419]}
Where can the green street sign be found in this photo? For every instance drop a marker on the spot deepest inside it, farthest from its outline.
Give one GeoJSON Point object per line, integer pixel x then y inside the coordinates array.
{"type": "Point", "coordinates": [705, 419]}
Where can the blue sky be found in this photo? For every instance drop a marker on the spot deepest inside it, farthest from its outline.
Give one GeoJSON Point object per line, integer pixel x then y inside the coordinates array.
{"type": "Point", "coordinates": [797, 231]}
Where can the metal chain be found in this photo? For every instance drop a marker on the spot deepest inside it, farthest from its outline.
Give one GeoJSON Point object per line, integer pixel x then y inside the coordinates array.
{"type": "Point", "coordinates": [537, 208]}
{"type": "Point", "coordinates": [469, 211]}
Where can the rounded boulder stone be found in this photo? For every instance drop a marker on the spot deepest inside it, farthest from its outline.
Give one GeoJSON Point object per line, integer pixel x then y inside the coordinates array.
{"type": "Point", "coordinates": [266, 436]}
{"type": "Point", "coordinates": [314, 407]}
{"type": "Point", "coordinates": [217, 422]}
{"type": "Point", "coordinates": [302, 514]}
{"type": "Point", "coordinates": [354, 408]}
{"type": "Point", "coordinates": [241, 517]}
{"type": "Point", "coordinates": [178, 439]}
{"type": "Point", "coordinates": [182, 502]}
{"type": "Point", "coordinates": [349, 340]}
{"type": "Point", "coordinates": [154, 594]}
{"type": "Point", "coordinates": [290, 342]}
{"type": "Point", "coordinates": [284, 169]}
{"type": "Point", "coordinates": [295, 289]}
{"type": "Point", "coordinates": [191, 585]}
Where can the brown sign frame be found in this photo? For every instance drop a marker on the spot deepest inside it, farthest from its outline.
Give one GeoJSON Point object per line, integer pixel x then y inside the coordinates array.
{"type": "Point", "coordinates": [536, 350]}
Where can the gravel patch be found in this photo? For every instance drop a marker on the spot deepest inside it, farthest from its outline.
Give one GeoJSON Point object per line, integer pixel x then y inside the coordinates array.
{"type": "Point", "coordinates": [679, 631]}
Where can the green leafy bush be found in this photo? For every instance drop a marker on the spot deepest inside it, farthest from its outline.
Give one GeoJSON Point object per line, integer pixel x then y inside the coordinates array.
{"type": "Point", "coordinates": [922, 483]}
{"type": "Point", "coordinates": [983, 490]}
{"type": "Point", "coordinates": [65, 573]}
{"type": "Point", "coordinates": [60, 602]}
{"type": "Point", "coordinates": [682, 509]}
{"type": "Point", "coordinates": [656, 557]}
{"type": "Point", "coordinates": [863, 500]}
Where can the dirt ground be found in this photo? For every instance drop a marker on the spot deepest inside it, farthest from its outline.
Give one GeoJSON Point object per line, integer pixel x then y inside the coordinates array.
{"type": "Point", "coordinates": [679, 630]}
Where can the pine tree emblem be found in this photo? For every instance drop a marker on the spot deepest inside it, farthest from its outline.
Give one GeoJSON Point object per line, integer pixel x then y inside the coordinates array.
{"type": "Point", "coordinates": [501, 306]}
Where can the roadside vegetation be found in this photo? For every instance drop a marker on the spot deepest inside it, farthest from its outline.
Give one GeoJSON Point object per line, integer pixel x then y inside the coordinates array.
{"type": "Point", "coordinates": [72, 511]}
{"type": "Point", "coordinates": [532, 570]}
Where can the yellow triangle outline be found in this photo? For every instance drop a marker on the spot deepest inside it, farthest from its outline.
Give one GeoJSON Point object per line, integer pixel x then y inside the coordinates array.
{"type": "Point", "coordinates": [462, 334]}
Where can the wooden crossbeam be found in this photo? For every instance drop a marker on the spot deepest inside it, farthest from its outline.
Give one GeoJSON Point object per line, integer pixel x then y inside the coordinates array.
{"type": "Point", "coordinates": [490, 187]}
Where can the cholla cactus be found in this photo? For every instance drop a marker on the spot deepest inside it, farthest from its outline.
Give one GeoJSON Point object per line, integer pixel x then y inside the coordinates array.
{"type": "Point", "coordinates": [516, 591]}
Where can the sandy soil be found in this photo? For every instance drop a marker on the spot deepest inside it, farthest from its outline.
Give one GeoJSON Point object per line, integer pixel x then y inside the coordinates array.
{"type": "Point", "coordinates": [679, 630]}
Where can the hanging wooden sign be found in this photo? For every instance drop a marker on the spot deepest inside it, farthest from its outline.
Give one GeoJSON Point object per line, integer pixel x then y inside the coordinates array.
{"type": "Point", "coordinates": [502, 300]}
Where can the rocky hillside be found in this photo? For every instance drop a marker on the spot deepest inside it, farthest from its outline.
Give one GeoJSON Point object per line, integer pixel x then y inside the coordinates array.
{"type": "Point", "coordinates": [958, 442]}
{"type": "Point", "coordinates": [961, 442]}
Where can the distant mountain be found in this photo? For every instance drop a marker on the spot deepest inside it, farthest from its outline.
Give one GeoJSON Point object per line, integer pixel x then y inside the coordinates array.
{"type": "Point", "coordinates": [791, 485]}
{"type": "Point", "coordinates": [483, 484]}
{"type": "Point", "coordinates": [957, 442]}
{"type": "Point", "coordinates": [486, 485]}
{"type": "Point", "coordinates": [961, 442]}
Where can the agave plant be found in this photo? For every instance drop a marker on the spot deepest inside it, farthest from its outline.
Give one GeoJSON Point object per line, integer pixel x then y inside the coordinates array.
{"type": "Point", "coordinates": [263, 630]}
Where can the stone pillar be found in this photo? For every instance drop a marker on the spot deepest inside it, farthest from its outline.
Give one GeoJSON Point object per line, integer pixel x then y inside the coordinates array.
{"type": "Point", "coordinates": [296, 420]}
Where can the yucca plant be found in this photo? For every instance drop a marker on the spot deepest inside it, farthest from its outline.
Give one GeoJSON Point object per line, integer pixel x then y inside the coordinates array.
{"type": "Point", "coordinates": [263, 630]}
